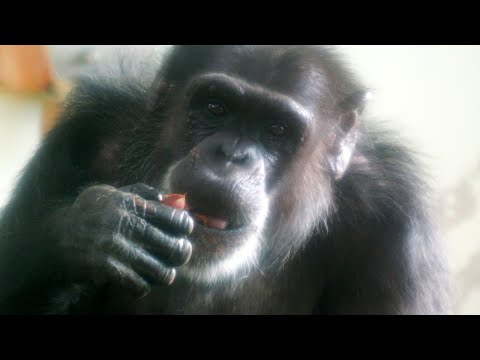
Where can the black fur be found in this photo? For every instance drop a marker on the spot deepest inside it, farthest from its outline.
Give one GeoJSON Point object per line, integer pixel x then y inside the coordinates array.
{"type": "Point", "coordinates": [362, 242]}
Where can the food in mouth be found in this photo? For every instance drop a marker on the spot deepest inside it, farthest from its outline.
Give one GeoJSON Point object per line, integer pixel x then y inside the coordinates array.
{"type": "Point", "coordinates": [179, 201]}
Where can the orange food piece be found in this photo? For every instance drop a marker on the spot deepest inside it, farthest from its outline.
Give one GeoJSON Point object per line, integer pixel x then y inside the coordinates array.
{"type": "Point", "coordinates": [178, 201]}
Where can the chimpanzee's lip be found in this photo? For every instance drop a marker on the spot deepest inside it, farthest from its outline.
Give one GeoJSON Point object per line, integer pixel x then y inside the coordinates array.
{"type": "Point", "coordinates": [211, 221]}
{"type": "Point", "coordinates": [215, 223]}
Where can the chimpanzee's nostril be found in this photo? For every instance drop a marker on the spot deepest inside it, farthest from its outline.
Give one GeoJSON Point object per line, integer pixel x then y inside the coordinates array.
{"type": "Point", "coordinates": [232, 153]}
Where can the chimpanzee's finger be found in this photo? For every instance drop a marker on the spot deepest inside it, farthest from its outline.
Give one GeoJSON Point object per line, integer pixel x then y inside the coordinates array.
{"type": "Point", "coordinates": [145, 265]}
{"type": "Point", "coordinates": [172, 250]}
{"type": "Point", "coordinates": [166, 217]}
{"type": "Point", "coordinates": [126, 277]}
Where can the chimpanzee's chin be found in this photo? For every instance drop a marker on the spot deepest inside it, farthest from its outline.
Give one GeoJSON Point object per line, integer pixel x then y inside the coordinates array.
{"type": "Point", "coordinates": [219, 255]}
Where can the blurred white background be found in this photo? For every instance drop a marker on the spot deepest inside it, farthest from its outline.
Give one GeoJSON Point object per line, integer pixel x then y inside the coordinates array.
{"type": "Point", "coordinates": [429, 93]}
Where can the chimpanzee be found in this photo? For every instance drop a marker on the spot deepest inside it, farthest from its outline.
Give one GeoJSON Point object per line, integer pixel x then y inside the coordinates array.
{"type": "Point", "coordinates": [296, 204]}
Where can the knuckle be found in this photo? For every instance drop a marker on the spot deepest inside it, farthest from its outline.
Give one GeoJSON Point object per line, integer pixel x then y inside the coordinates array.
{"type": "Point", "coordinates": [164, 275]}
{"type": "Point", "coordinates": [97, 191]}
{"type": "Point", "coordinates": [182, 219]}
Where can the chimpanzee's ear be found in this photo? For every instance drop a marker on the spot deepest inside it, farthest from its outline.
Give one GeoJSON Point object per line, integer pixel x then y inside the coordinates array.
{"type": "Point", "coordinates": [345, 134]}
{"type": "Point", "coordinates": [356, 101]}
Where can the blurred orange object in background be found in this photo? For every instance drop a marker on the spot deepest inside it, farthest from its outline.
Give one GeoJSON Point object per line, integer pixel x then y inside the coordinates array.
{"type": "Point", "coordinates": [25, 68]}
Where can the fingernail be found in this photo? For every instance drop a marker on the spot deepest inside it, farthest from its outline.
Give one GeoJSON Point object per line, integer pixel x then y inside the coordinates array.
{"type": "Point", "coordinates": [171, 277]}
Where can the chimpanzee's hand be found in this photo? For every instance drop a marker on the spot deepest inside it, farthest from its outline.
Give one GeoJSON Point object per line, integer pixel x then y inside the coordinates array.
{"type": "Point", "coordinates": [124, 236]}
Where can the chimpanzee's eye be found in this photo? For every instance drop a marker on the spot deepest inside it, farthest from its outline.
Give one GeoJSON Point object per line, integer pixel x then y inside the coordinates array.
{"type": "Point", "coordinates": [216, 108]}
{"type": "Point", "coordinates": [278, 130]}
